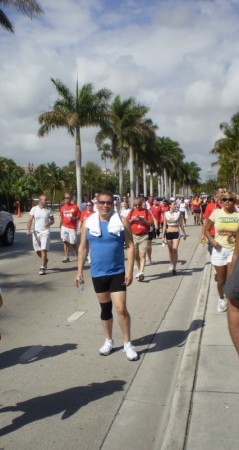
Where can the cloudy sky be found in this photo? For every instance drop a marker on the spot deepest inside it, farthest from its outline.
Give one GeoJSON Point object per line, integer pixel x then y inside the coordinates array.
{"type": "Point", "coordinates": [178, 57]}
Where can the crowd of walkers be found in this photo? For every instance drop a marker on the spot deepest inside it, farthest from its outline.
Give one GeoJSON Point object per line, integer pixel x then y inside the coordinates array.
{"type": "Point", "coordinates": [105, 227]}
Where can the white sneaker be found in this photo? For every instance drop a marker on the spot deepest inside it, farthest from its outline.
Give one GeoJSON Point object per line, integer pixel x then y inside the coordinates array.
{"type": "Point", "coordinates": [107, 348]}
{"type": "Point", "coordinates": [221, 305]}
{"type": "Point", "coordinates": [139, 276]}
{"type": "Point", "coordinates": [42, 271]}
{"type": "Point", "coordinates": [170, 268]}
{"type": "Point", "coordinates": [131, 354]}
{"type": "Point", "coordinates": [66, 259]}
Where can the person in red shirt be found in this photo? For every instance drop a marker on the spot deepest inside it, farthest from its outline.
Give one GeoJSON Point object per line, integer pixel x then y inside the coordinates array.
{"type": "Point", "coordinates": [156, 210]}
{"type": "Point", "coordinates": [84, 215]}
{"type": "Point", "coordinates": [164, 208]}
{"type": "Point", "coordinates": [215, 204]}
{"type": "Point", "coordinates": [140, 221]}
{"type": "Point", "coordinates": [69, 216]}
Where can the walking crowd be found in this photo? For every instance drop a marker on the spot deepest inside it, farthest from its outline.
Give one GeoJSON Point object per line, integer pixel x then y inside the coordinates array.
{"type": "Point", "coordinates": [102, 229]}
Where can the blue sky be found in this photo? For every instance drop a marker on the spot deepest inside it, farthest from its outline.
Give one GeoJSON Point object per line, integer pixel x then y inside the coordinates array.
{"type": "Point", "coordinates": [178, 57]}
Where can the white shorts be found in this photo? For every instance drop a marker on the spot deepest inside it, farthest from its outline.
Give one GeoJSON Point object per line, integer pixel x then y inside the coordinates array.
{"type": "Point", "coordinates": [68, 235]}
{"type": "Point", "coordinates": [221, 257]}
{"type": "Point", "coordinates": [41, 241]}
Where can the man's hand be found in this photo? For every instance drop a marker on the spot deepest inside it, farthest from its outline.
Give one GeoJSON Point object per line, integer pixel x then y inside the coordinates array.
{"type": "Point", "coordinates": [128, 279]}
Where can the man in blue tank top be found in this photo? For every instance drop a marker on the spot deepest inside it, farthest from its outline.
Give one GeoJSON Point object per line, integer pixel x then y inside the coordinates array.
{"type": "Point", "coordinates": [106, 233]}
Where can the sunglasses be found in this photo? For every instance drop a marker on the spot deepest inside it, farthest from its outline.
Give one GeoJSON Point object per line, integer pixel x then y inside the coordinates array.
{"type": "Point", "coordinates": [88, 204]}
{"type": "Point", "coordinates": [228, 199]}
{"type": "Point", "coordinates": [102, 202]}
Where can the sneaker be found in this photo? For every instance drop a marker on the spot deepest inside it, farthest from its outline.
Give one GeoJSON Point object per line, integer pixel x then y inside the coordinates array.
{"type": "Point", "coordinates": [141, 277]}
{"type": "Point", "coordinates": [131, 354]}
{"type": "Point", "coordinates": [66, 259]}
{"type": "Point", "coordinates": [221, 305]}
{"type": "Point", "coordinates": [174, 272]}
{"type": "Point", "coordinates": [42, 271]}
{"type": "Point", "coordinates": [107, 348]}
{"type": "Point", "coordinates": [137, 275]}
{"type": "Point", "coordinates": [170, 269]}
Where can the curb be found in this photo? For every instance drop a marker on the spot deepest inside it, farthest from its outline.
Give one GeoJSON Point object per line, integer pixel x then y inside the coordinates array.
{"type": "Point", "coordinates": [176, 431]}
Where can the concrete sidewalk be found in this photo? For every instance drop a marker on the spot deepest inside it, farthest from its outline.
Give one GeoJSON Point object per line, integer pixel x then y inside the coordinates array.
{"type": "Point", "coordinates": [205, 407]}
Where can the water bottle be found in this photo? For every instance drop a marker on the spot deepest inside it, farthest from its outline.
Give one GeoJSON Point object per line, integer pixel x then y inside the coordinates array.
{"type": "Point", "coordinates": [80, 285]}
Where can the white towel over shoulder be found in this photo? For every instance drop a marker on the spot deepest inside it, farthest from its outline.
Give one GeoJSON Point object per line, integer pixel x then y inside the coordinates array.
{"type": "Point", "coordinates": [115, 225]}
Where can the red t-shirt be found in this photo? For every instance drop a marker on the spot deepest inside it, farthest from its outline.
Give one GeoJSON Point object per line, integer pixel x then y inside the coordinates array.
{"type": "Point", "coordinates": [164, 208]}
{"type": "Point", "coordinates": [156, 210]}
{"type": "Point", "coordinates": [208, 211]}
{"type": "Point", "coordinates": [85, 215]}
{"type": "Point", "coordinates": [140, 227]}
{"type": "Point", "coordinates": [68, 211]}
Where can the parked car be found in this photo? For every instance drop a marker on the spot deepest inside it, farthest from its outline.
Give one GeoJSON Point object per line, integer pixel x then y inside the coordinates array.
{"type": "Point", "coordinates": [7, 228]}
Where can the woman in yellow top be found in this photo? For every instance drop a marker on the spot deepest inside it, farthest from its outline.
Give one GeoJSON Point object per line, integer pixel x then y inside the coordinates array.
{"type": "Point", "coordinates": [226, 222]}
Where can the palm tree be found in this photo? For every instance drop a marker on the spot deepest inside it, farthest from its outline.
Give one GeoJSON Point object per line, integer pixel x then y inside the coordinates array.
{"type": "Point", "coordinates": [227, 150]}
{"type": "Point", "coordinates": [87, 108]}
{"type": "Point", "coordinates": [120, 126]}
{"type": "Point", "coordinates": [30, 8]}
{"type": "Point", "coordinates": [106, 152]}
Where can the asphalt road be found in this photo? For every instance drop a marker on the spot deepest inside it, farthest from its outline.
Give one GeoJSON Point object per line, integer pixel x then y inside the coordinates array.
{"type": "Point", "coordinates": [56, 392]}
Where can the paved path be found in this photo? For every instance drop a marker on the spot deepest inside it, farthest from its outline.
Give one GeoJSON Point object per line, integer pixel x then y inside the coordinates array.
{"type": "Point", "coordinates": [182, 394]}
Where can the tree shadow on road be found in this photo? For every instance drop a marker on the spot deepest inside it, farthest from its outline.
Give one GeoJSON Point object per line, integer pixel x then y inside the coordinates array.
{"type": "Point", "coordinates": [30, 354]}
{"type": "Point", "coordinates": [164, 340]}
{"type": "Point", "coordinates": [67, 402]}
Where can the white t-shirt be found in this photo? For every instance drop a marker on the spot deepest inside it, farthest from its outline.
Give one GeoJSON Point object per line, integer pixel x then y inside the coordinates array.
{"type": "Point", "coordinates": [42, 218]}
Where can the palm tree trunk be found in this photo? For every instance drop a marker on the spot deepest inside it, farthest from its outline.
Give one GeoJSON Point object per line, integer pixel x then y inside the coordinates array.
{"type": "Point", "coordinates": [151, 184]}
{"type": "Point", "coordinates": [78, 167]}
{"type": "Point", "coordinates": [131, 172]}
{"type": "Point", "coordinates": [121, 172]}
{"type": "Point", "coordinates": [165, 183]}
{"type": "Point", "coordinates": [145, 179]}
{"type": "Point", "coordinates": [159, 186]}
{"type": "Point", "coordinates": [136, 181]}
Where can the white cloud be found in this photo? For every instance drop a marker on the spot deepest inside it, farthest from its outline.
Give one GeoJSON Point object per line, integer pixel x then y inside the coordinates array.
{"type": "Point", "coordinates": [178, 58]}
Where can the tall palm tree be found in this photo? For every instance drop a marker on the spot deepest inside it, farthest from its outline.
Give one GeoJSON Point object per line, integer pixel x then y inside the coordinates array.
{"type": "Point", "coordinates": [120, 126]}
{"type": "Point", "coordinates": [227, 150]}
{"type": "Point", "coordinates": [87, 108]}
{"type": "Point", "coordinates": [30, 8]}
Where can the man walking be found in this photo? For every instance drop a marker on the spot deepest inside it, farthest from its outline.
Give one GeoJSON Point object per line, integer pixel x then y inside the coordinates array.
{"type": "Point", "coordinates": [69, 216]}
{"type": "Point", "coordinates": [106, 234]}
{"type": "Point", "coordinates": [140, 220]}
{"type": "Point", "coordinates": [43, 219]}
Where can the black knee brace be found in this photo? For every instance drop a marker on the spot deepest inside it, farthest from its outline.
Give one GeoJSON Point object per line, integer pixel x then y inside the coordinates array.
{"type": "Point", "coordinates": [106, 311]}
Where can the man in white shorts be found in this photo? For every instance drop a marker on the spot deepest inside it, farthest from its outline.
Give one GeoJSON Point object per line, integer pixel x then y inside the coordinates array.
{"type": "Point", "coordinates": [43, 219]}
{"type": "Point", "coordinates": [69, 216]}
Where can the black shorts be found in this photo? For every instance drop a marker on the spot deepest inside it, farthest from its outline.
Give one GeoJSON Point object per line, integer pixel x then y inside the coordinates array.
{"type": "Point", "coordinates": [151, 235]}
{"type": "Point", "coordinates": [172, 235]}
{"type": "Point", "coordinates": [109, 283]}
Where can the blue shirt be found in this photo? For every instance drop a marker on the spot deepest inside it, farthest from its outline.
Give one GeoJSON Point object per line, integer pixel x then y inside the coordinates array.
{"type": "Point", "coordinates": [106, 252]}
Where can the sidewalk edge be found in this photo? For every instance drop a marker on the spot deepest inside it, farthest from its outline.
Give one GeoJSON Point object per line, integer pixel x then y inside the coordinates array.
{"type": "Point", "coordinates": [178, 420]}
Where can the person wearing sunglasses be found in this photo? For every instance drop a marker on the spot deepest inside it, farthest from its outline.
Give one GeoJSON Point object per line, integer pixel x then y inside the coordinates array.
{"type": "Point", "coordinates": [69, 216]}
{"type": "Point", "coordinates": [106, 233]}
{"type": "Point", "coordinates": [226, 223]}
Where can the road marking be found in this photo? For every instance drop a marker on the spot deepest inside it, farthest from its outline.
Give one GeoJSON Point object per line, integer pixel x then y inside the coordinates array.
{"type": "Point", "coordinates": [75, 316]}
{"type": "Point", "coordinates": [30, 354]}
